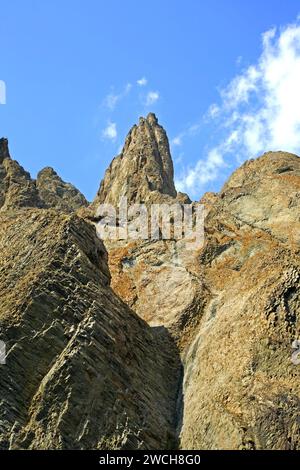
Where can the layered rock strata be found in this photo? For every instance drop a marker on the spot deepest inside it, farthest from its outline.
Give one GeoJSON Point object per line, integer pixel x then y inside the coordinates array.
{"type": "Point", "coordinates": [149, 344]}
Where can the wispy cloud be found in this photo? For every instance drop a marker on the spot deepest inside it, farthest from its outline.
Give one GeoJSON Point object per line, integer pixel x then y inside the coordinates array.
{"type": "Point", "coordinates": [110, 131]}
{"type": "Point", "coordinates": [179, 158]}
{"type": "Point", "coordinates": [142, 81]}
{"type": "Point", "coordinates": [204, 171]}
{"type": "Point", "coordinates": [151, 97]}
{"type": "Point", "coordinates": [177, 140]}
{"type": "Point", "coordinates": [213, 110]}
{"type": "Point", "coordinates": [259, 109]}
{"type": "Point", "coordinates": [264, 101]}
{"type": "Point", "coordinates": [190, 131]}
{"type": "Point", "coordinates": [111, 100]}
{"type": "Point", "coordinates": [2, 92]}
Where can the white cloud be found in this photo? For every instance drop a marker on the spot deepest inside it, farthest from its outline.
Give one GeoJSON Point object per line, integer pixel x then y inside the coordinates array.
{"type": "Point", "coordinates": [239, 60]}
{"type": "Point", "coordinates": [204, 171]}
{"type": "Point", "coordinates": [111, 100]}
{"type": "Point", "coordinates": [177, 140]}
{"type": "Point", "coordinates": [189, 131]}
{"type": "Point", "coordinates": [110, 132]}
{"type": "Point", "coordinates": [2, 92]}
{"type": "Point", "coordinates": [213, 110]}
{"type": "Point", "coordinates": [179, 158]}
{"type": "Point", "coordinates": [259, 110]}
{"type": "Point", "coordinates": [152, 97]}
{"type": "Point", "coordinates": [193, 129]}
{"type": "Point", "coordinates": [127, 88]}
{"type": "Point", "coordinates": [240, 87]}
{"type": "Point", "coordinates": [142, 81]}
{"type": "Point", "coordinates": [264, 101]}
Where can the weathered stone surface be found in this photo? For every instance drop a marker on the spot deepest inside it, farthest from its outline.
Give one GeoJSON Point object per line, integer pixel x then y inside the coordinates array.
{"type": "Point", "coordinates": [233, 308]}
{"type": "Point", "coordinates": [56, 193]}
{"type": "Point", "coordinates": [143, 270]}
{"type": "Point", "coordinates": [143, 172]}
{"type": "Point", "coordinates": [82, 371]}
{"type": "Point", "coordinates": [163, 271]}
{"type": "Point", "coordinates": [240, 388]}
{"type": "Point", "coordinates": [18, 189]}
{"type": "Point", "coordinates": [4, 152]}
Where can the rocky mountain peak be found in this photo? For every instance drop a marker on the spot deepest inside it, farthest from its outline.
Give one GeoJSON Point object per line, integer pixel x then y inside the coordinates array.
{"type": "Point", "coordinates": [4, 152]}
{"type": "Point", "coordinates": [47, 171]}
{"type": "Point", "coordinates": [144, 169]}
{"type": "Point", "coordinates": [152, 119]}
{"type": "Point", "coordinates": [19, 190]}
{"type": "Point", "coordinates": [57, 193]}
{"type": "Point", "coordinates": [149, 344]}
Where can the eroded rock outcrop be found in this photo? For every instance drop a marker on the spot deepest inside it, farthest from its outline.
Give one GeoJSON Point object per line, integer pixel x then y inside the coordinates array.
{"type": "Point", "coordinates": [233, 308]}
{"type": "Point", "coordinates": [94, 365]}
{"type": "Point", "coordinates": [240, 388]}
{"type": "Point", "coordinates": [143, 270]}
{"type": "Point", "coordinates": [56, 193]}
{"type": "Point", "coordinates": [82, 370]}
{"type": "Point", "coordinates": [18, 189]}
{"type": "Point", "coordinates": [143, 172]}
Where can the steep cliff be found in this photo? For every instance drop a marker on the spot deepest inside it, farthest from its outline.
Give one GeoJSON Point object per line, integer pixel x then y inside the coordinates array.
{"type": "Point", "coordinates": [232, 306]}
{"type": "Point", "coordinates": [240, 388]}
{"type": "Point", "coordinates": [150, 344]}
{"type": "Point", "coordinates": [82, 370]}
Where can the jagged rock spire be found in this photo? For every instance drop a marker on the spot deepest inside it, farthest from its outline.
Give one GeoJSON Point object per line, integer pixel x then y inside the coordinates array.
{"type": "Point", "coordinates": [19, 190]}
{"type": "Point", "coordinates": [57, 193]}
{"type": "Point", "coordinates": [4, 152]}
{"type": "Point", "coordinates": [144, 170]}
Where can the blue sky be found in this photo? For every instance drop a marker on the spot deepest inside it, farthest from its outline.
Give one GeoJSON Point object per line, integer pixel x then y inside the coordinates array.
{"type": "Point", "coordinates": [78, 74]}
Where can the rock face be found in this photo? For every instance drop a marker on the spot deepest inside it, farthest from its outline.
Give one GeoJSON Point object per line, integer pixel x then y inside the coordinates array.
{"type": "Point", "coordinates": [56, 193]}
{"type": "Point", "coordinates": [148, 344]}
{"type": "Point", "coordinates": [233, 308]}
{"type": "Point", "coordinates": [240, 388]}
{"type": "Point", "coordinates": [143, 173]}
{"type": "Point", "coordinates": [82, 370]}
{"type": "Point", "coordinates": [163, 271]}
{"type": "Point", "coordinates": [17, 189]}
